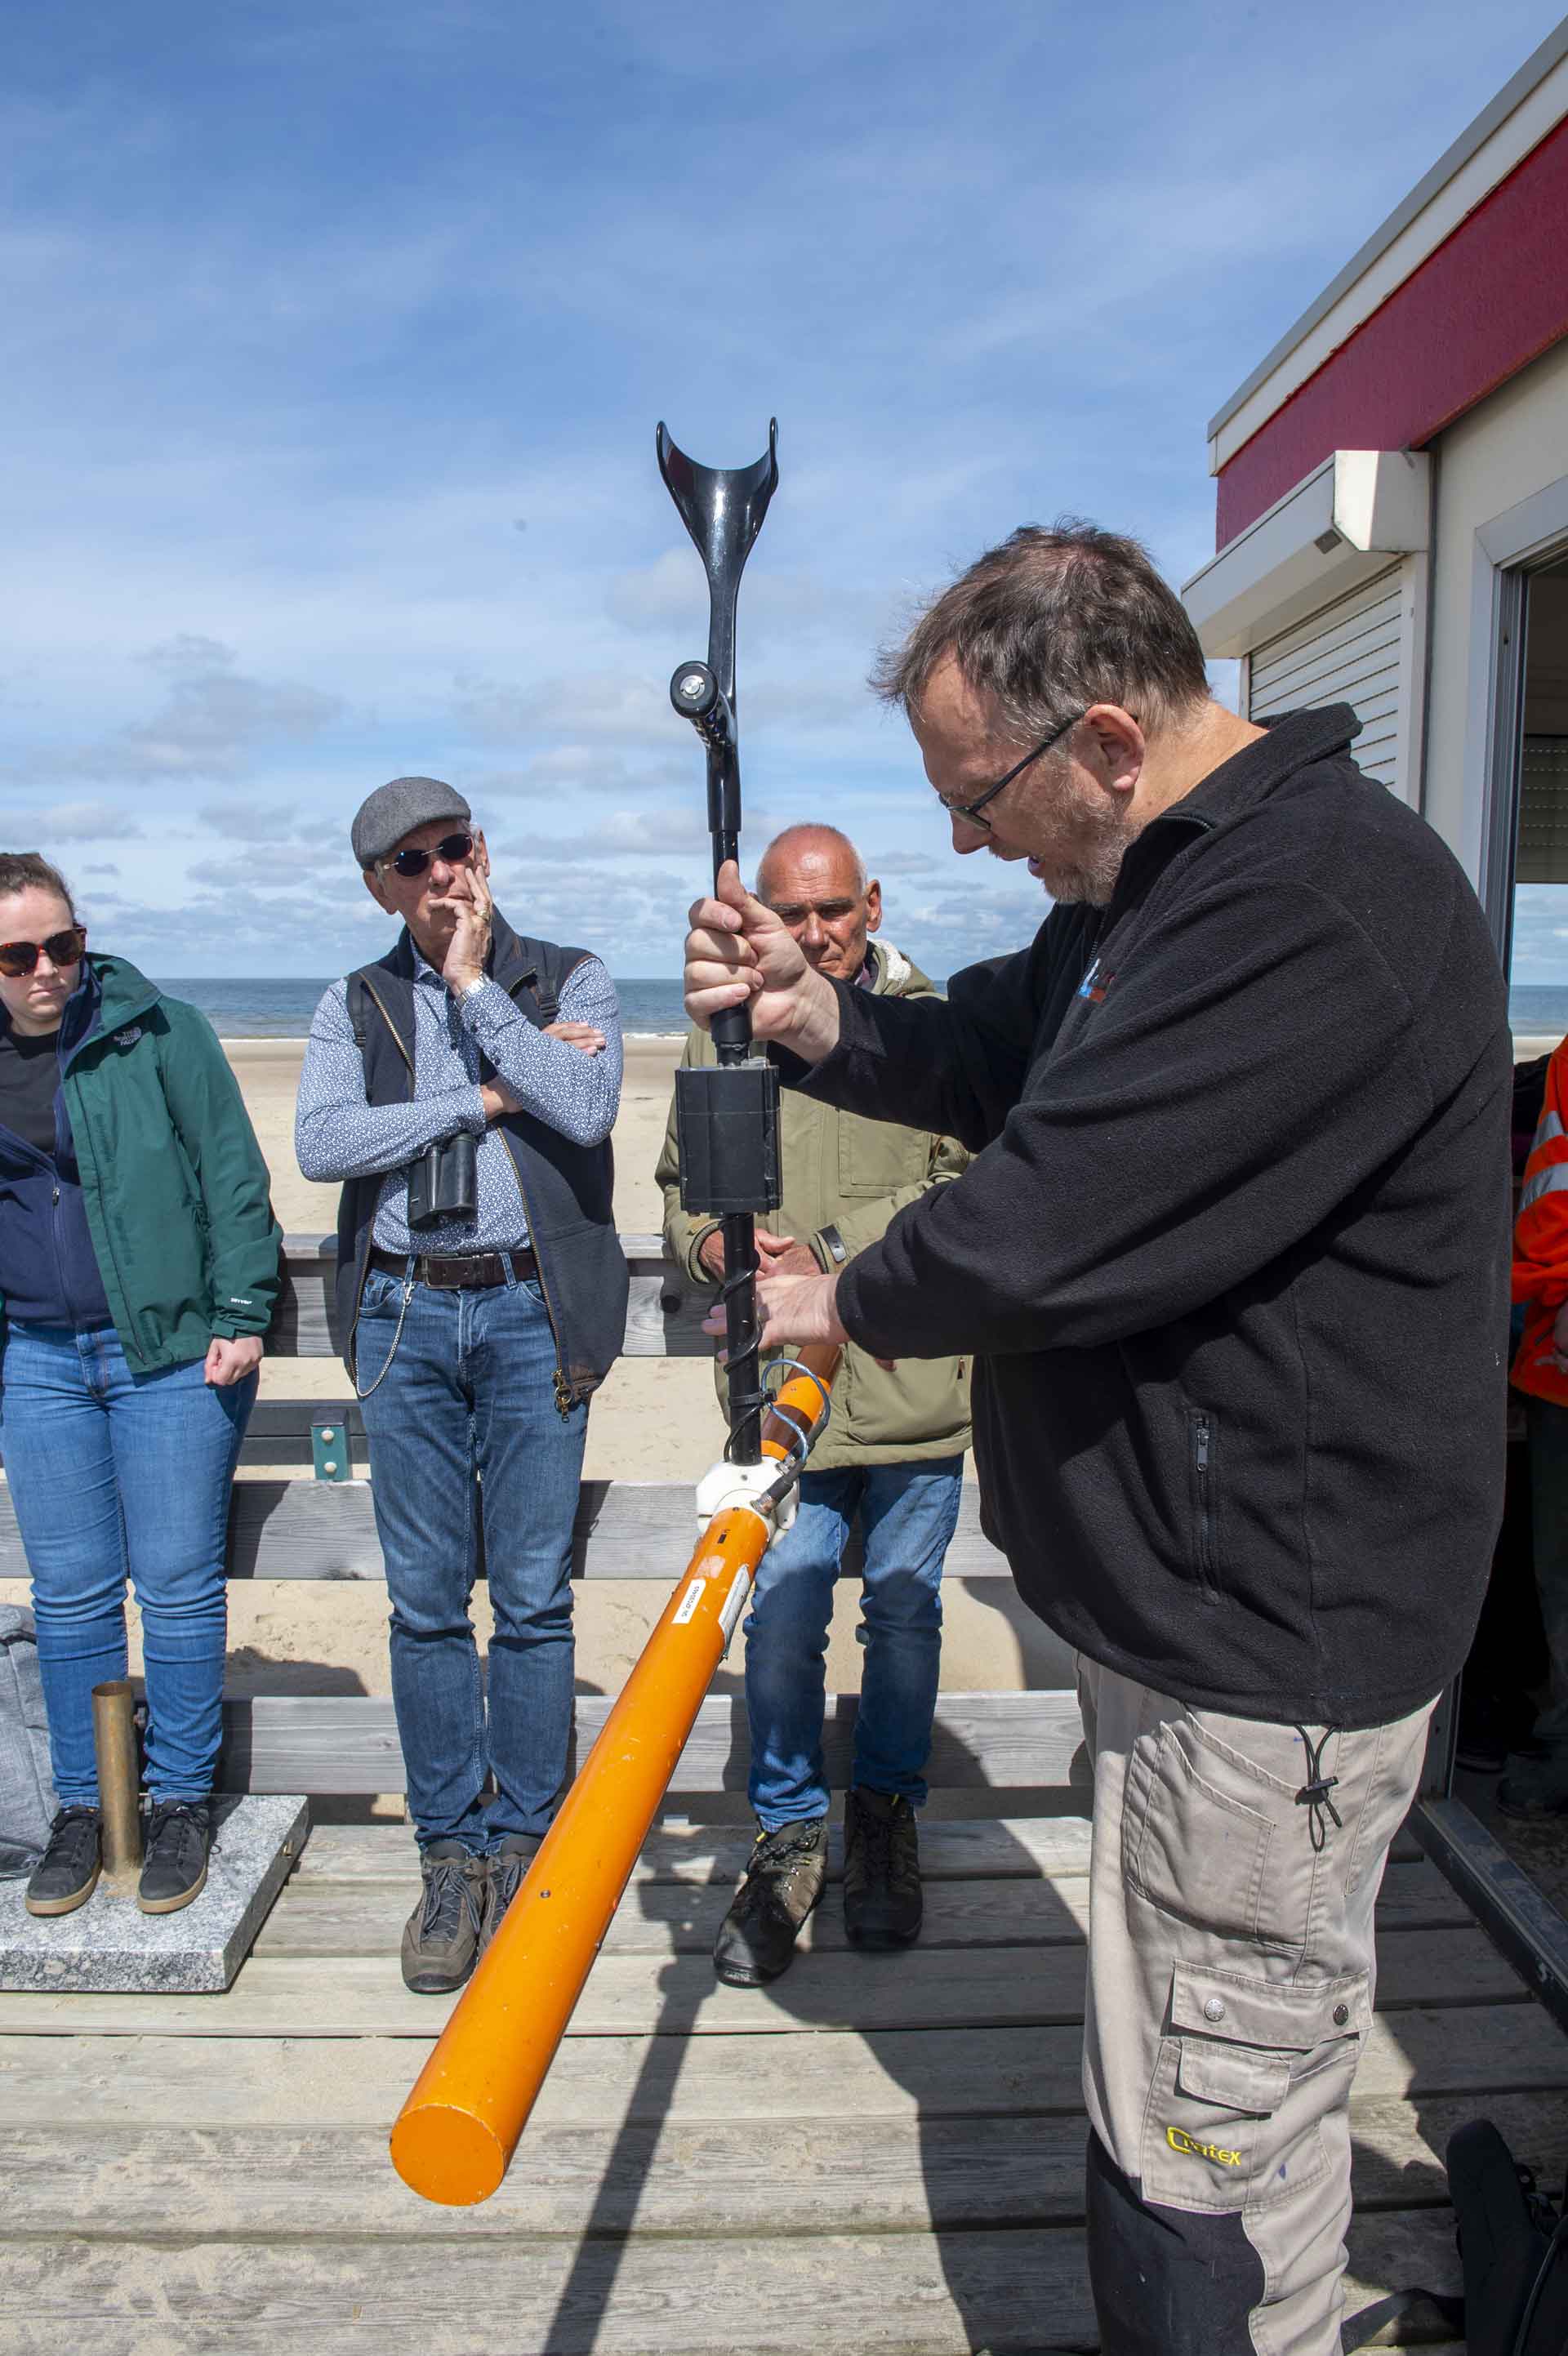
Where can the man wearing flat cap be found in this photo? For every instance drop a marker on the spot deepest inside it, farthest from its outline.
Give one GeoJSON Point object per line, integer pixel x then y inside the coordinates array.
{"type": "Point", "coordinates": [463, 1089]}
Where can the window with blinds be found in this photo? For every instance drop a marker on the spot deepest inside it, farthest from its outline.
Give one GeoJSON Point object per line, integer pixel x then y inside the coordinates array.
{"type": "Point", "coordinates": [1349, 653]}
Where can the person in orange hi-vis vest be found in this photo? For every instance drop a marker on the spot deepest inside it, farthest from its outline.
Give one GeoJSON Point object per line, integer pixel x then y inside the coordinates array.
{"type": "Point", "coordinates": [1537, 1785]}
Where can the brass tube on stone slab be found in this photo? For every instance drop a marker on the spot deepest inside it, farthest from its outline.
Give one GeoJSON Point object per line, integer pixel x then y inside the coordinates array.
{"type": "Point", "coordinates": [115, 1739]}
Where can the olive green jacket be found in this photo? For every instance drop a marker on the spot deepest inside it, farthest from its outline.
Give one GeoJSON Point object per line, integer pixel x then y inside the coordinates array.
{"type": "Point", "coordinates": [851, 1174]}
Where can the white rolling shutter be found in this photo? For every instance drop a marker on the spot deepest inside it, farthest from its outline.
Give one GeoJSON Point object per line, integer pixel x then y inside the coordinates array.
{"type": "Point", "coordinates": [1358, 652]}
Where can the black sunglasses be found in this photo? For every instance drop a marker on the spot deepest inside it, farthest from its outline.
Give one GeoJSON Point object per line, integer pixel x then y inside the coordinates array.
{"type": "Point", "coordinates": [453, 847]}
{"type": "Point", "coordinates": [19, 957]}
{"type": "Point", "coordinates": [969, 811]}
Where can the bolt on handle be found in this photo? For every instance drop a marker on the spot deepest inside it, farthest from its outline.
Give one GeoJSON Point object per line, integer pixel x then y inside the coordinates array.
{"type": "Point", "coordinates": [697, 696]}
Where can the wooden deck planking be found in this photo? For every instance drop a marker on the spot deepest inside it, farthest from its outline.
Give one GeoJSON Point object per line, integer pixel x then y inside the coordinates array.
{"type": "Point", "coordinates": [716, 2178]}
{"type": "Point", "coordinates": [983, 1850]}
{"type": "Point", "coordinates": [879, 2294]}
{"type": "Point", "coordinates": [348, 1743]}
{"type": "Point", "coordinates": [317, 2084]}
{"type": "Point", "coordinates": [919, 2192]}
{"type": "Point", "coordinates": [322, 1917]}
{"type": "Point", "coordinates": [358, 1995]}
{"type": "Point", "coordinates": [1474, 2052]}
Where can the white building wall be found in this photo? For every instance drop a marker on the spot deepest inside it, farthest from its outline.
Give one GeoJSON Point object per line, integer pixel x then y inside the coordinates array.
{"type": "Point", "coordinates": [1364, 649]}
{"type": "Point", "coordinates": [1510, 451]}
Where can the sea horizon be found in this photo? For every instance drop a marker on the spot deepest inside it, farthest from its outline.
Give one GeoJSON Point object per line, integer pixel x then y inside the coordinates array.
{"type": "Point", "coordinates": [263, 1006]}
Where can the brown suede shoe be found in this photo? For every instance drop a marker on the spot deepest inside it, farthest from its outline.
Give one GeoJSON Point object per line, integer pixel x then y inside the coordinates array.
{"type": "Point", "coordinates": [783, 1881]}
{"type": "Point", "coordinates": [508, 1865]}
{"type": "Point", "coordinates": [441, 1937]}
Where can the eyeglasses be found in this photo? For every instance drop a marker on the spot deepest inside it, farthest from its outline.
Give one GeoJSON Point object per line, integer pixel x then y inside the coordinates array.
{"type": "Point", "coordinates": [19, 957]}
{"type": "Point", "coordinates": [969, 811]}
{"type": "Point", "coordinates": [453, 847]}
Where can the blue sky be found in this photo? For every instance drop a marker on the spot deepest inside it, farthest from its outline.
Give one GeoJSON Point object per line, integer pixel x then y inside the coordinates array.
{"type": "Point", "coordinates": [339, 332]}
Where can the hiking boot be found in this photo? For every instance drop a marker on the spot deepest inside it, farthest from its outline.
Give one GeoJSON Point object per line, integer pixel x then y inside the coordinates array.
{"type": "Point", "coordinates": [66, 1876]}
{"type": "Point", "coordinates": [441, 1937]}
{"type": "Point", "coordinates": [784, 1878]}
{"type": "Point", "coordinates": [1492, 1726]}
{"type": "Point", "coordinates": [1535, 1787]}
{"type": "Point", "coordinates": [882, 1901]}
{"type": "Point", "coordinates": [508, 1865]}
{"type": "Point", "coordinates": [174, 1861]}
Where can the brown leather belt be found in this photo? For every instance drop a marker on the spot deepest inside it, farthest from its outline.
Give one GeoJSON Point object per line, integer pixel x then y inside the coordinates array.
{"type": "Point", "coordinates": [470, 1273]}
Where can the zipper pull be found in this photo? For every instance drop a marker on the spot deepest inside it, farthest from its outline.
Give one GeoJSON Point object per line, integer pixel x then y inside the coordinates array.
{"type": "Point", "coordinates": [1203, 1445]}
{"type": "Point", "coordinates": [562, 1397]}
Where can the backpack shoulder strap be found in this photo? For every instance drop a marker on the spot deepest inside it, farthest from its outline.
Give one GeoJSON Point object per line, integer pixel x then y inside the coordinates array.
{"type": "Point", "coordinates": [546, 968]}
{"type": "Point", "coordinates": [362, 995]}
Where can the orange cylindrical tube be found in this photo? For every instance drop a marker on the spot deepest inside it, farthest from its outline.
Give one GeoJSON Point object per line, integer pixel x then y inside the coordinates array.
{"type": "Point", "coordinates": [456, 2134]}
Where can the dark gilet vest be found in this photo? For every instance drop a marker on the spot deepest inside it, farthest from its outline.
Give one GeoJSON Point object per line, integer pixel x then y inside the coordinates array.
{"type": "Point", "coordinates": [566, 1189]}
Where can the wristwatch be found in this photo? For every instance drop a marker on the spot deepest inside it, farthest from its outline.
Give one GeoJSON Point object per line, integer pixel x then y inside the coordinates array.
{"type": "Point", "coordinates": [833, 1243]}
{"type": "Point", "coordinates": [472, 989]}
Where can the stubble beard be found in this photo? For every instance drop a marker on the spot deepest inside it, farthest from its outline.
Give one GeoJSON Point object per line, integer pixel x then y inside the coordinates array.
{"type": "Point", "coordinates": [1093, 843]}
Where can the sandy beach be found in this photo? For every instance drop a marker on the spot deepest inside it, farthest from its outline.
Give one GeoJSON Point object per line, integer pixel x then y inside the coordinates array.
{"type": "Point", "coordinates": [653, 1420]}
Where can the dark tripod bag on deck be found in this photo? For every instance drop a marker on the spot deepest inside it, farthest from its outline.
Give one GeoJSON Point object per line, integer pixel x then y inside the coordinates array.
{"type": "Point", "coordinates": [1513, 2247]}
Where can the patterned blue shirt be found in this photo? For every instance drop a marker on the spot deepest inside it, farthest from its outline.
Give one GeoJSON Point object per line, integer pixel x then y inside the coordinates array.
{"type": "Point", "coordinates": [337, 1135]}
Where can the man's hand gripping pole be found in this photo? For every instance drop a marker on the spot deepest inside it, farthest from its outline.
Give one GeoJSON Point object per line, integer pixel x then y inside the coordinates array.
{"type": "Point", "coordinates": [726, 1120]}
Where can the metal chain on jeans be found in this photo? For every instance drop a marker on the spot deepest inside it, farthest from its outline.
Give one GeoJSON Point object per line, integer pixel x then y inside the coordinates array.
{"type": "Point", "coordinates": [397, 1337]}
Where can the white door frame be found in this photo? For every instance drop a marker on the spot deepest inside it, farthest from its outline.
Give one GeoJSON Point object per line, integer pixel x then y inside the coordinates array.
{"type": "Point", "coordinates": [1506, 549]}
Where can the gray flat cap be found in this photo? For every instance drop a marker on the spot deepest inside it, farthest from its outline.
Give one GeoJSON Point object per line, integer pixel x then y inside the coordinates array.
{"type": "Point", "coordinates": [394, 809]}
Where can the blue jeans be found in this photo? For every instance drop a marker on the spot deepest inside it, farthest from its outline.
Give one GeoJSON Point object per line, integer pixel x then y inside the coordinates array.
{"type": "Point", "coordinates": [115, 1474]}
{"type": "Point", "coordinates": [471, 1389]}
{"type": "Point", "coordinates": [908, 1515]}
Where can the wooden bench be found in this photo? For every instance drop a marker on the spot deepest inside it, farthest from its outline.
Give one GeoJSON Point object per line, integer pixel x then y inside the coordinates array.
{"type": "Point", "coordinates": [324, 1528]}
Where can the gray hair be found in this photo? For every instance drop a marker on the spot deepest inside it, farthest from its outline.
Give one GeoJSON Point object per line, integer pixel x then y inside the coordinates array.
{"type": "Point", "coordinates": [1050, 623]}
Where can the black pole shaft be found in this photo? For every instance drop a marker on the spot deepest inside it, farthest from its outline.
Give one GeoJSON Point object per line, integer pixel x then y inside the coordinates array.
{"type": "Point", "coordinates": [732, 1043]}
{"type": "Point", "coordinates": [723, 510]}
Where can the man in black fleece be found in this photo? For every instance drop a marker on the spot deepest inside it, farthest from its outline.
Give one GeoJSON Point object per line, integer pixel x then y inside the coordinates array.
{"type": "Point", "coordinates": [1232, 1263]}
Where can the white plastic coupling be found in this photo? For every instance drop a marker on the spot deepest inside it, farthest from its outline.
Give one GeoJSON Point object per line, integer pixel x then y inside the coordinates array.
{"type": "Point", "coordinates": [724, 1486]}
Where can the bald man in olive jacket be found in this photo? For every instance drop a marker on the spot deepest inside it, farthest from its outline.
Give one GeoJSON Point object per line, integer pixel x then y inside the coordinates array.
{"type": "Point", "coordinates": [893, 1452]}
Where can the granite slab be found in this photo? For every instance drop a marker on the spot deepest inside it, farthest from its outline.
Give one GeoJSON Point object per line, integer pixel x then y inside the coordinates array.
{"type": "Point", "coordinates": [109, 1947]}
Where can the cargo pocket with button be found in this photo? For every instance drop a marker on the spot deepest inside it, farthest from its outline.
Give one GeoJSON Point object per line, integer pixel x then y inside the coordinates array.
{"type": "Point", "coordinates": [1245, 2073]}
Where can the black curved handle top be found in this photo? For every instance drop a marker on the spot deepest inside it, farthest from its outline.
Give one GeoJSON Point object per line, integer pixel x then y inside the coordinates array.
{"type": "Point", "coordinates": [722, 508]}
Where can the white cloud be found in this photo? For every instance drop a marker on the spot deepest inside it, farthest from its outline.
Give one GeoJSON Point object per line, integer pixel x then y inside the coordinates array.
{"type": "Point", "coordinates": [78, 823]}
{"type": "Point", "coordinates": [250, 820]}
{"type": "Point", "coordinates": [601, 706]}
{"type": "Point", "coordinates": [215, 715]}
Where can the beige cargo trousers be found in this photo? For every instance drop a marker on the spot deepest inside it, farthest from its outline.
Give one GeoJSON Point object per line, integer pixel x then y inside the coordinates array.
{"type": "Point", "coordinates": [1234, 1873]}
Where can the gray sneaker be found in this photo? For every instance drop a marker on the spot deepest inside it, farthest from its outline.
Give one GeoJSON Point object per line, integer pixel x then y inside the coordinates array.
{"type": "Point", "coordinates": [441, 1937]}
{"type": "Point", "coordinates": [508, 1866]}
{"type": "Point", "coordinates": [174, 1860]}
{"type": "Point", "coordinates": [66, 1876]}
{"type": "Point", "coordinates": [784, 1879]}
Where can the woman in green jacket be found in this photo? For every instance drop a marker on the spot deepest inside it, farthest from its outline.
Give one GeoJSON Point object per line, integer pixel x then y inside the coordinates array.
{"type": "Point", "coordinates": [138, 1271]}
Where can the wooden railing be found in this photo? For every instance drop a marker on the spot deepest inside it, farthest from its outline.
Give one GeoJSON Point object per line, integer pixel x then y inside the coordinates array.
{"type": "Point", "coordinates": [663, 1318]}
{"type": "Point", "coordinates": [308, 1527]}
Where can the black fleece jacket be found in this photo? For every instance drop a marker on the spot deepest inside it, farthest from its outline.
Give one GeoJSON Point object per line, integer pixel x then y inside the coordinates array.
{"type": "Point", "coordinates": [1232, 1259]}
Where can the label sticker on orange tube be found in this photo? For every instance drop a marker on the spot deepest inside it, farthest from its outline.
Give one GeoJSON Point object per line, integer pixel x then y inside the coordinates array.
{"type": "Point", "coordinates": [687, 1607]}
